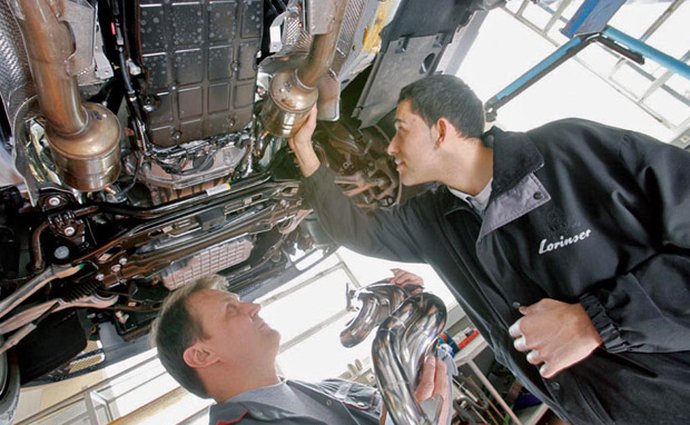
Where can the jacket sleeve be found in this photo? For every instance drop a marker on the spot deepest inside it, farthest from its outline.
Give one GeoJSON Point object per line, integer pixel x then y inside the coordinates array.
{"type": "Point", "coordinates": [381, 233]}
{"type": "Point", "coordinates": [648, 308]}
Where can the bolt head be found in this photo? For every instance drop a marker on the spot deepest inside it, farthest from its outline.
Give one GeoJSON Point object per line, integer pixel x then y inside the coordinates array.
{"type": "Point", "coordinates": [69, 231]}
{"type": "Point", "coordinates": [53, 201]}
{"type": "Point", "coordinates": [100, 277]}
{"type": "Point", "coordinates": [61, 252]}
{"type": "Point", "coordinates": [116, 268]}
{"type": "Point", "coordinates": [122, 261]}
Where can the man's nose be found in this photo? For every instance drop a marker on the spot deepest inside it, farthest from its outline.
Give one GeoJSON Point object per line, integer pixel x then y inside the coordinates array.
{"type": "Point", "coordinates": [392, 148]}
{"type": "Point", "coordinates": [252, 308]}
{"type": "Point", "coordinates": [255, 308]}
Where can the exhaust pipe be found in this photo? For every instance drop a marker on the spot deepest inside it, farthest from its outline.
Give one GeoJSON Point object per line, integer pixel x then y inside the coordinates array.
{"type": "Point", "coordinates": [378, 301]}
{"type": "Point", "coordinates": [408, 331]}
{"type": "Point", "coordinates": [293, 92]}
{"type": "Point", "coordinates": [84, 137]}
{"type": "Point", "coordinates": [402, 342]}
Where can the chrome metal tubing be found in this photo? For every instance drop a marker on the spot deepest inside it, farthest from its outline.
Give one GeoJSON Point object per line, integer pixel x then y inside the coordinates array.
{"type": "Point", "coordinates": [293, 92]}
{"type": "Point", "coordinates": [49, 44]}
{"type": "Point", "coordinates": [378, 301]}
{"type": "Point", "coordinates": [84, 137]}
{"type": "Point", "coordinates": [322, 50]}
{"type": "Point", "coordinates": [398, 352]}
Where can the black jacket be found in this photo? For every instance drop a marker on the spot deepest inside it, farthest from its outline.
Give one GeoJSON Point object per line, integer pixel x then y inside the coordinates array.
{"type": "Point", "coordinates": [579, 212]}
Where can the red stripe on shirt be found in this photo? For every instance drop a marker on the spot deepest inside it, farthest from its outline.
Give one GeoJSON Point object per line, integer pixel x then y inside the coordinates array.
{"type": "Point", "coordinates": [234, 421]}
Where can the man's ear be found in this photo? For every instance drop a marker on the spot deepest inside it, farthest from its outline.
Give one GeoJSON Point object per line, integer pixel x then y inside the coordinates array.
{"type": "Point", "coordinates": [442, 127]}
{"type": "Point", "coordinates": [447, 130]}
{"type": "Point", "coordinates": [199, 356]}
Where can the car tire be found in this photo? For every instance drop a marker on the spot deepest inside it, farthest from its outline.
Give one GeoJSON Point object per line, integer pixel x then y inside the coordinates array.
{"type": "Point", "coordinates": [9, 387]}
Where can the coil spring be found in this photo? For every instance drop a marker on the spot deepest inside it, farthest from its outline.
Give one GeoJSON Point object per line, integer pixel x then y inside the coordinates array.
{"type": "Point", "coordinates": [81, 289]}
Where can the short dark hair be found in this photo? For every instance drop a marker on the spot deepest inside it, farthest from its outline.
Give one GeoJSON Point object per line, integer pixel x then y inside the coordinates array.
{"type": "Point", "coordinates": [446, 96]}
{"type": "Point", "coordinates": [176, 329]}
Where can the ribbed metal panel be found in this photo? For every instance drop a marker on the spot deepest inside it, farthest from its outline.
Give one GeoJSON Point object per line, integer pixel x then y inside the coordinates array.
{"type": "Point", "coordinates": [16, 85]}
{"type": "Point", "coordinates": [208, 261]}
{"type": "Point", "coordinates": [348, 32]}
{"type": "Point", "coordinates": [297, 39]}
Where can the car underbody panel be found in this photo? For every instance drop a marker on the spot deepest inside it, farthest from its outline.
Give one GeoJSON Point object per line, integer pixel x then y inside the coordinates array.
{"type": "Point", "coordinates": [143, 144]}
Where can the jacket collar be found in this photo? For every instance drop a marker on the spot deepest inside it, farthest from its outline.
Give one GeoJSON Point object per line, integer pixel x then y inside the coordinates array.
{"type": "Point", "coordinates": [515, 156]}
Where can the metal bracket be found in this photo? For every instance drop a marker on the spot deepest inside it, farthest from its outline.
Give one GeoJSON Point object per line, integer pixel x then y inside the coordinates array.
{"type": "Point", "coordinates": [88, 62]}
{"type": "Point", "coordinates": [320, 16]}
{"type": "Point", "coordinates": [275, 31]}
{"type": "Point", "coordinates": [81, 18]}
{"type": "Point", "coordinates": [329, 97]}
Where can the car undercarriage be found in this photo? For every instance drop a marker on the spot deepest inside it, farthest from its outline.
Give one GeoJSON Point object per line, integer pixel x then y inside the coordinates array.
{"type": "Point", "coordinates": [144, 145]}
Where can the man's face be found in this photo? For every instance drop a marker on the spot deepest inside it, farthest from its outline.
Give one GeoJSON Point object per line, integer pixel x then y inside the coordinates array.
{"type": "Point", "coordinates": [233, 329]}
{"type": "Point", "coordinates": [412, 146]}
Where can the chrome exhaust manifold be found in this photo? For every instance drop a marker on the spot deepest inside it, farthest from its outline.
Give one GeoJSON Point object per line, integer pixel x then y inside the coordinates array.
{"type": "Point", "coordinates": [408, 333]}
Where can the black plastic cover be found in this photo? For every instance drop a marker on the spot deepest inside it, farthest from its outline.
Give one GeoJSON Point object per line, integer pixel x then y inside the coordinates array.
{"type": "Point", "coordinates": [415, 18]}
{"type": "Point", "coordinates": [412, 45]}
{"type": "Point", "coordinates": [200, 66]}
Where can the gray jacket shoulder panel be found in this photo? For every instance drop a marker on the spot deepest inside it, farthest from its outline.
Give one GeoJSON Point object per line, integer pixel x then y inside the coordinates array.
{"type": "Point", "coordinates": [361, 401]}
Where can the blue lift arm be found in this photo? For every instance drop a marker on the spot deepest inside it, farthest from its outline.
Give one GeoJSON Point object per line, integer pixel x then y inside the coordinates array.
{"type": "Point", "coordinates": [588, 24]}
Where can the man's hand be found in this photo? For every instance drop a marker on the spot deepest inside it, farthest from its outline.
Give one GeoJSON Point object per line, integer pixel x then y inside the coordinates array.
{"type": "Point", "coordinates": [301, 145]}
{"type": "Point", "coordinates": [555, 335]}
{"type": "Point", "coordinates": [434, 382]}
{"type": "Point", "coordinates": [410, 282]}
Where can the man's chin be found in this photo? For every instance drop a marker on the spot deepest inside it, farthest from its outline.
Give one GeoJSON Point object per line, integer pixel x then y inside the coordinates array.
{"type": "Point", "coordinates": [408, 181]}
{"type": "Point", "coordinates": [277, 334]}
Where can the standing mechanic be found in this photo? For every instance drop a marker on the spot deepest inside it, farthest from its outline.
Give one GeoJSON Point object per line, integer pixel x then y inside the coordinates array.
{"type": "Point", "coordinates": [568, 246]}
{"type": "Point", "coordinates": [217, 346]}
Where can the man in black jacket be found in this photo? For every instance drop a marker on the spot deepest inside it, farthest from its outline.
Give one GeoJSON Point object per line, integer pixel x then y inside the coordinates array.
{"type": "Point", "coordinates": [568, 246]}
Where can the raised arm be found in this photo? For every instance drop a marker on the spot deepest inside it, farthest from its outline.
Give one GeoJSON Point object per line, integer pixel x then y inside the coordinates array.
{"type": "Point", "coordinates": [303, 148]}
{"type": "Point", "coordinates": [381, 233]}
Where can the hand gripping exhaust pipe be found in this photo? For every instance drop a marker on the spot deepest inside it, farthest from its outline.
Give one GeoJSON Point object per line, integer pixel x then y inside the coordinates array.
{"type": "Point", "coordinates": [84, 137]}
{"type": "Point", "coordinates": [293, 92]}
{"type": "Point", "coordinates": [402, 343]}
{"type": "Point", "coordinates": [408, 331]}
